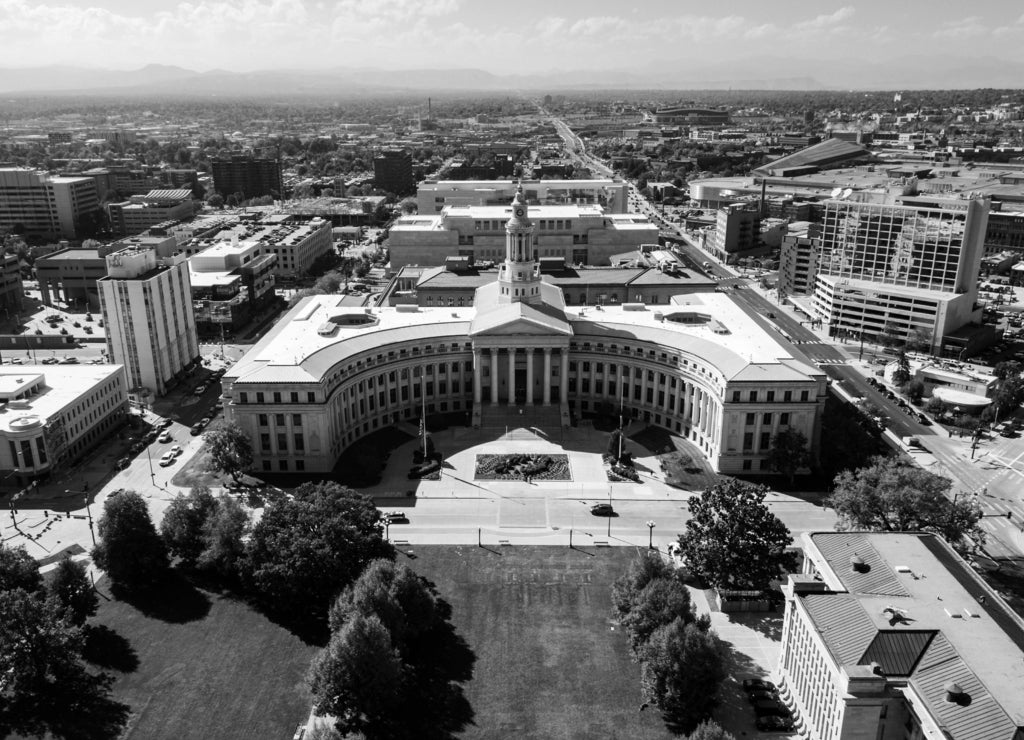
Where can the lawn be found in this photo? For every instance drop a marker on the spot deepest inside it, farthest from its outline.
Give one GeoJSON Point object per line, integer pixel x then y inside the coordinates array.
{"type": "Point", "coordinates": [550, 661]}
{"type": "Point", "coordinates": [203, 666]}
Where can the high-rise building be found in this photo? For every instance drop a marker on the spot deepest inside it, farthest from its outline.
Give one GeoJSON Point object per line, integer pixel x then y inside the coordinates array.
{"type": "Point", "coordinates": [37, 203]}
{"type": "Point", "coordinates": [392, 171]}
{"type": "Point", "coordinates": [146, 302]}
{"type": "Point", "coordinates": [12, 291]}
{"type": "Point", "coordinates": [905, 271]}
{"type": "Point", "coordinates": [253, 178]}
{"type": "Point", "coordinates": [140, 212]}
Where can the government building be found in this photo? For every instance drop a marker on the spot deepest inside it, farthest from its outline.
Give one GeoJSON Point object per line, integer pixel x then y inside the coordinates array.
{"type": "Point", "coordinates": [893, 636]}
{"type": "Point", "coordinates": [698, 365]}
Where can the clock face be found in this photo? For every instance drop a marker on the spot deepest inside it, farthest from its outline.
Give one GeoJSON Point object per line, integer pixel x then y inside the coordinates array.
{"type": "Point", "coordinates": [520, 212]}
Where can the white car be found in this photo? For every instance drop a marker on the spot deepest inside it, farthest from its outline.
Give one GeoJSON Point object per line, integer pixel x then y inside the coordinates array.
{"type": "Point", "coordinates": [167, 459]}
{"type": "Point", "coordinates": [176, 450]}
{"type": "Point", "coordinates": [165, 437]}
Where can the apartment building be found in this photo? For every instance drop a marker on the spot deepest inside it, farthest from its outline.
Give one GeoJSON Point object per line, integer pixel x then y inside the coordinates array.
{"type": "Point", "coordinates": [251, 177]}
{"type": "Point", "coordinates": [230, 283]}
{"type": "Point", "coordinates": [140, 212]}
{"type": "Point", "coordinates": [392, 172]}
{"type": "Point", "coordinates": [40, 204]}
{"type": "Point", "coordinates": [146, 301]}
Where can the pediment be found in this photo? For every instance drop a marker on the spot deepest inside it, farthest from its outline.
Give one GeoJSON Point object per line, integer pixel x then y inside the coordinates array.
{"type": "Point", "coordinates": [519, 327]}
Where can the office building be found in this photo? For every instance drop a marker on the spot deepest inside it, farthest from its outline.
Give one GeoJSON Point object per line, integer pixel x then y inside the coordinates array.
{"type": "Point", "coordinates": [433, 195]}
{"type": "Point", "coordinates": [798, 259]}
{"type": "Point", "coordinates": [685, 115]}
{"type": "Point", "coordinates": [146, 302]}
{"type": "Point", "coordinates": [328, 374]}
{"type": "Point", "coordinates": [140, 212]}
{"type": "Point", "coordinates": [69, 276]}
{"type": "Point", "coordinates": [38, 204]}
{"type": "Point", "coordinates": [901, 270]}
{"type": "Point", "coordinates": [392, 172]}
{"type": "Point", "coordinates": [231, 282]}
{"type": "Point", "coordinates": [892, 636]}
{"type": "Point", "coordinates": [576, 234]}
{"type": "Point", "coordinates": [296, 240]}
{"type": "Point", "coordinates": [52, 415]}
{"type": "Point", "coordinates": [251, 177]}
{"type": "Point", "coordinates": [12, 290]}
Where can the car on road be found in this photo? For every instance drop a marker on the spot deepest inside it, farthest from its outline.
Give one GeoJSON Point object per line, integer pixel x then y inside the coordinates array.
{"type": "Point", "coordinates": [394, 517]}
{"type": "Point", "coordinates": [50, 361]}
{"type": "Point", "coordinates": [15, 360]}
{"type": "Point", "coordinates": [123, 463]}
{"type": "Point", "coordinates": [69, 361]}
{"type": "Point", "coordinates": [166, 437]}
{"type": "Point", "coordinates": [924, 420]}
{"type": "Point", "coordinates": [176, 450]}
{"type": "Point", "coordinates": [770, 315]}
{"type": "Point", "coordinates": [164, 423]}
{"type": "Point", "coordinates": [200, 389]}
{"type": "Point", "coordinates": [602, 510]}
{"type": "Point", "coordinates": [167, 459]}
{"type": "Point", "coordinates": [196, 430]}
{"type": "Point", "coordinates": [772, 723]}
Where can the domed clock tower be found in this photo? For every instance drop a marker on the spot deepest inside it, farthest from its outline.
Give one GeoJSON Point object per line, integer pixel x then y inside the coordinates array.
{"type": "Point", "coordinates": [519, 276]}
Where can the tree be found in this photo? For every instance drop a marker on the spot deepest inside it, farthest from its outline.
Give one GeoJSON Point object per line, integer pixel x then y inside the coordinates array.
{"type": "Point", "coordinates": [224, 534]}
{"type": "Point", "coordinates": [18, 570]}
{"type": "Point", "coordinates": [901, 374]}
{"type": "Point", "coordinates": [710, 730]}
{"type": "Point", "coordinates": [936, 406]}
{"type": "Point", "coordinates": [306, 549]}
{"type": "Point", "coordinates": [1007, 369]}
{"type": "Point", "coordinates": [216, 200]}
{"type": "Point", "coordinates": [890, 336]}
{"type": "Point", "coordinates": [183, 522]}
{"type": "Point", "coordinates": [733, 540]}
{"type": "Point", "coordinates": [429, 665]}
{"type": "Point", "coordinates": [130, 550]}
{"type": "Point", "coordinates": [788, 452]}
{"type": "Point", "coordinates": [894, 495]}
{"type": "Point", "coordinates": [919, 340]}
{"type": "Point", "coordinates": [408, 206]}
{"type": "Point", "coordinates": [914, 390]}
{"type": "Point", "coordinates": [45, 686]}
{"type": "Point", "coordinates": [70, 586]}
{"type": "Point", "coordinates": [650, 595]}
{"type": "Point", "coordinates": [682, 672]}
{"type": "Point", "coordinates": [230, 449]}
{"type": "Point", "coordinates": [1008, 395]}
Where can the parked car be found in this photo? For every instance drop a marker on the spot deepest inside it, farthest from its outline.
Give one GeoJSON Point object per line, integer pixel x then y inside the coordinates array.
{"type": "Point", "coordinates": [166, 437]}
{"type": "Point", "coordinates": [164, 423]}
{"type": "Point", "coordinates": [167, 459]}
{"type": "Point", "coordinates": [200, 389]}
{"type": "Point", "coordinates": [123, 463]}
{"type": "Point", "coordinates": [771, 723]}
{"type": "Point", "coordinates": [761, 695]}
{"type": "Point", "coordinates": [757, 684]}
{"type": "Point", "coordinates": [602, 510]}
{"type": "Point", "coordinates": [394, 517]}
{"type": "Point", "coordinates": [196, 430]}
{"type": "Point", "coordinates": [176, 450]}
{"type": "Point", "coordinates": [770, 708]}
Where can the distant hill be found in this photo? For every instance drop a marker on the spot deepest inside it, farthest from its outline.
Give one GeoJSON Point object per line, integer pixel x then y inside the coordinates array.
{"type": "Point", "coordinates": [766, 73]}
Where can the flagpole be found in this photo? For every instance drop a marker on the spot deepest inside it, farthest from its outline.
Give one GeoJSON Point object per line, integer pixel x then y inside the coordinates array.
{"type": "Point", "coordinates": [423, 415]}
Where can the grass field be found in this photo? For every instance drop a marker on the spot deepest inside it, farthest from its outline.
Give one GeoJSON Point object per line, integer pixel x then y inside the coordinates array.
{"type": "Point", "coordinates": [550, 662]}
{"type": "Point", "coordinates": [204, 666]}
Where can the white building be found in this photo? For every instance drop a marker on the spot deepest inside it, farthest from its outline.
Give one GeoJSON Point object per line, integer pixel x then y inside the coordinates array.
{"type": "Point", "coordinates": [432, 196]}
{"type": "Point", "coordinates": [146, 303]}
{"type": "Point", "coordinates": [45, 205]}
{"type": "Point", "coordinates": [296, 240]}
{"type": "Point", "coordinates": [327, 374]}
{"type": "Point", "coordinates": [140, 212]}
{"type": "Point", "coordinates": [51, 415]}
{"type": "Point", "coordinates": [578, 234]}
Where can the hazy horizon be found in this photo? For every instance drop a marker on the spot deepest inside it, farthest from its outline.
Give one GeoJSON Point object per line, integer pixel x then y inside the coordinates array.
{"type": "Point", "coordinates": [526, 37]}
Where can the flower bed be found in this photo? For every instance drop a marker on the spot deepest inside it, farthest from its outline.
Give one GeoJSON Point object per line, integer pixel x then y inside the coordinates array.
{"type": "Point", "coordinates": [522, 466]}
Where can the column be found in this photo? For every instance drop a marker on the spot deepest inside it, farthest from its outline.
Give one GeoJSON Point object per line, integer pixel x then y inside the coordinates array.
{"type": "Point", "coordinates": [477, 373]}
{"type": "Point", "coordinates": [494, 375]}
{"type": "Point", "coordinates": [547, 376]}
{"type": "Point", "coordinates": [564, 379]}
{"type": "Point", "coordinates": [687, 403]}
{"type": "Point", "coordinates": [529, 376]}
{"type": "Point", "coordinates": [511, 376]}
{"type": "Point", "coordinates": [643, 386]}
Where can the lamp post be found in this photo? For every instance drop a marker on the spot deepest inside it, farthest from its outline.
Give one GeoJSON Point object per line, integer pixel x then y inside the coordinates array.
{"type": "Point", "coordinates": [88, 512]}
{"type": "Point", "coordinates": [650, 535]}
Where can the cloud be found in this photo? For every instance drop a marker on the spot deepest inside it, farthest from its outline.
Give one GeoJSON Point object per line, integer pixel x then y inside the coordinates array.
{"type": "Point", "coordinates": [962, 28]}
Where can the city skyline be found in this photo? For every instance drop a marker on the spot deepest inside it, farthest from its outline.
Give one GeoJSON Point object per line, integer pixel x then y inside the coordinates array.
{"type": "Point", "coordinates": [528, 37]}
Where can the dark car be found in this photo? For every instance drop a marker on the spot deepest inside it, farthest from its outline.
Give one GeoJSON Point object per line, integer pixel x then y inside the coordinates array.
{"type": "Point", "coordinates": [761, 695]}
{"type": "Point", "coordinates": [757, 684]}
{"type": "Point", "coordinates": [394, 517]}
{"type": "Point", "coordinates": [771, 723]}
{"type": "Point", "coordinates": [770, 708]}
{"type": "Point", "coordinates": [925, 421]}
{"type": "Point", "coordinates": [602, 510]}
{"type": "Point", "coordinates": [196, 430]}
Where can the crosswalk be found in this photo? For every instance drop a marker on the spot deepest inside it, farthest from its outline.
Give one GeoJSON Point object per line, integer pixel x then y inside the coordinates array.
{"type": "Point", "coordinates": [829, 360]}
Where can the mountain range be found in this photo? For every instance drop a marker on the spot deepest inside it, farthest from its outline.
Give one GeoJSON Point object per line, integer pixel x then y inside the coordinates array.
{"type": "Point", "coordinates": [766, 73]}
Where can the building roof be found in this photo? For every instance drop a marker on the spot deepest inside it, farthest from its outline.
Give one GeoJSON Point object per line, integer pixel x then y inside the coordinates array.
{"type": "Point", "coordinates": [69, 255]}
{"type": "Point", "coordinates": [62, 386]}
{"type": "Point", "coordinates": [916, 609]}
{"type": "Point", "coordinates": [830, 151]}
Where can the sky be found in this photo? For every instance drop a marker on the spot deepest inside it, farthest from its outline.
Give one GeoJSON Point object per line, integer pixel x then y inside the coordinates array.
{"type": "Point", "coordinates": [527, 36]}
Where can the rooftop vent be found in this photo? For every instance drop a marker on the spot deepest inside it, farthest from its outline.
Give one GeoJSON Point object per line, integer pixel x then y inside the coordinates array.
{"type": "Point", "coordinates": [857, 564]}
{"type": "Point", "coordinates": [955, 694]}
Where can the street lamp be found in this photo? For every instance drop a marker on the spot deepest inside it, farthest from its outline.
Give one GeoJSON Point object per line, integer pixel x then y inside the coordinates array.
{"type": "Point", "coordinates": [88, 512]}
{"type": "Point", "coordinates": [650, 535]}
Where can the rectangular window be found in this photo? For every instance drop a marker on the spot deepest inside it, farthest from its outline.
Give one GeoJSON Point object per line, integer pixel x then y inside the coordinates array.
{"type": "Point", "coordinates": [753, 396]}
{"type": "Point", "coordinates": [263, 420]}
{"type": "Point", "coordinates": [748, 441]}
{"type": "Point", "coordinates": [300, 465]}
{"type": "Point", "coordinates": [747, 464]}
{"type": "Point", "coordinates": [277, 397]}
{"type": "Point", "coordinates": [265, 442]}
{"type": "Point", "coordinates": [784, 419]}
{"type": "Point", "coordinates": [282, 464]}
{"type": "Point", "coordinates": [750, 420]}
{"type": "Point", "coordinates": [243, 398]}
{"type": "Point", "coordinates": [295, 396]}
{"type": "Point", "coordinates": [787, 396]}
{"type": "Point", "coordinates": [766, 419]}
{"type": "Point", "coordinates": [300, 443]}
{"type": "Point", "coordinates": [279, 419]}
{"type": "Point", "coordinates": [259, 397]}
{"type": "Point", "coordinates": [297, 420]}
{"type": "Point", "coordinates": [771, 396]}
{"type": "Point", "coordinates": [310, 397]}
{"type": "Point", "coordinates": [735, 396]}
{"type": "Point", "coordinates": [282, 442]}
{"type": "Point", "coordinates": [804, 395]}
